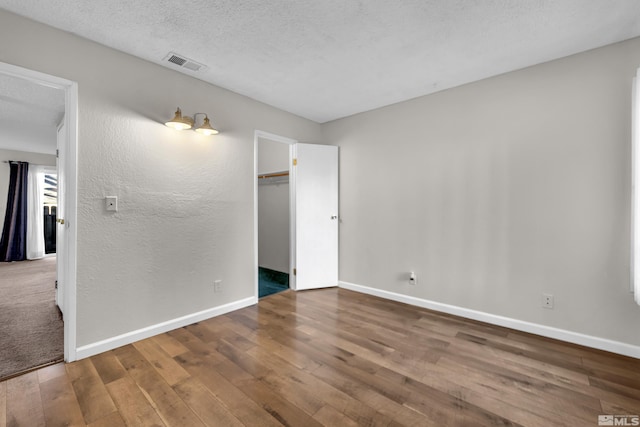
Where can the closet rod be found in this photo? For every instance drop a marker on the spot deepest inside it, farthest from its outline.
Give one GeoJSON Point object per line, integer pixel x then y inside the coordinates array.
{"type": "Point", "coordinates": [273, 175]}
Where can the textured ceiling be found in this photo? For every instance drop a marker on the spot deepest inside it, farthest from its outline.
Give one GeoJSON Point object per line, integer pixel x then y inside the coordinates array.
{"type": "Point", "coordinates": [29, 115]}
{"type": "Point", "coordinates": [326, 59]}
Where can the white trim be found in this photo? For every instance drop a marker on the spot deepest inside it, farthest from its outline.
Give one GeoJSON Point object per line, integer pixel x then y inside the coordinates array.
{"type": "Point", "coordinates": [293, 237]}
{"type": "Point", "coordinates": [71, 171]}
{"type": "Point", "coordinates": [520, 325]}
{"type": "Point", "coordinates": [291, 142]}
{"type": "Point", "coordinates": [140, 334]}
{"type": "Point", "coordinates": [634, 196]}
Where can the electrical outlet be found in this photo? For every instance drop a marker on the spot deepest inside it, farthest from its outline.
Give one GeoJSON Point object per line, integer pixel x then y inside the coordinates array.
{"type": "Point", "coordinates": [217, 286]}
{"type": "Point", "coordinates": [413, 278]}
{"type": "Point", "coordinates": [111, 203]}
{"type": "Point", "coordinates": [547, 301]}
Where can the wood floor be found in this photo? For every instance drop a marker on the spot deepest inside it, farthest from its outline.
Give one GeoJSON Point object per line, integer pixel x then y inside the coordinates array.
{"type": "Point", "coordinates": [335, 358]}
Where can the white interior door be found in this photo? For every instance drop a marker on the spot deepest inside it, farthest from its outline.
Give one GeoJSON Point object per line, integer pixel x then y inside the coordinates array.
{"type": "Point", "coordinates": [60, 215]}
{"type": "Point", "coordinates": [315, 176]}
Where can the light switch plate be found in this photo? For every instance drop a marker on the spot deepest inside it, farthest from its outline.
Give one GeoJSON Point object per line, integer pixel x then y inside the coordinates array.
{"type": "Point", "coordinates": [111, 203]}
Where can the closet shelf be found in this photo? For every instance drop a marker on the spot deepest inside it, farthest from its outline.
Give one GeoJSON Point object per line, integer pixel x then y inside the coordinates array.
{"type": "Point", "coordinates": [273, 178]}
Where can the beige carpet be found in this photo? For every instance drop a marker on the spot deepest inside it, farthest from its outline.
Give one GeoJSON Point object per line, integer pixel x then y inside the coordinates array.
{"type": "Point", "coordinates": [31, 330]}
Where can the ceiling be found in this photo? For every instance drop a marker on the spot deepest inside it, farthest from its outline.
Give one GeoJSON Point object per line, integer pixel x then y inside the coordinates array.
{"type": "Point", "coordinates": [327, 59]}
{"type": "Point", "coordinates": [29, 115]}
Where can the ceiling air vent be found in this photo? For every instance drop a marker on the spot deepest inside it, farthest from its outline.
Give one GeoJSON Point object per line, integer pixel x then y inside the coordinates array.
{"type": "Point", "coordinates": [181, 61]}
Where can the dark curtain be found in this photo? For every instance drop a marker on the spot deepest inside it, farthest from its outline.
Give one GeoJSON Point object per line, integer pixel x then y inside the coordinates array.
{"type": "Point", "coordinates": [13, 245]}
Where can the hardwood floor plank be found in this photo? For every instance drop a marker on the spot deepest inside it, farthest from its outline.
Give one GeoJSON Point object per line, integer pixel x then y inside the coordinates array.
{"type": "Point", "coordinates": [493, 407]}
{"type": "Point", "coordinates": [59, 402]}
{"type": "Point", "coordinates": [246, 410]}
{"type": "Point", "coordinates": [519, 392]}
{"type": "Point", "coordinates": [619, 408]}
{"type": "Point", "coordinates": [273, 402]}
{"type": "Point", "coordinates": [171, 409]}
{"type": "Point", "coordinates": [572, 363]}
{"type": "Point", "coordinates": [281, 409]}
{"type": "Point", "coordinates": [161, 361]}
{"type": "Point", "coordinates": [330, 357]}
{"type": "Point", "coordinates": [347, 365]}
{"type": "Point", "coordinates": [402, 395]}
{"type": "Point", "coordinates": [92, 395]}
{"type": "Point", "coordinates": [112, 420]}
{"type": "Point", "coordinates": [170, 345]}
{"type": "Point", "coordinates": [555, 346]}
{"type": "Point", "coordinates": [206, 406]}
{"type": "Point", "coordinates": [223, 332]}
{"type": "Point", "coordinates": [383, 403]}
{"type": "Point", "coordinates": [525, 382]}
{"type": "Point", "coordinates": [330, 417]}
{"type": "Point", "coordinates": [24, 404]}
{"type": "Point", "coordinates": [304, 385]}
{"type": "Point", "coordinates": [615, 387]}
{"type": "Point", "coordinates": [555, 359]}
{"type": "Point", "coordinates": [195, 345]}
{"type": "Point", "coordinates": [203, 333]}
{"type": "Point", "coordinates": [271, 348]}
{"type": "Point", "coordinates": [544, 370]}
{"type": "Point", "coordinates": [108, 367]}
{"type": "Point", "coordinates": [133, 406]}
{"type": "Point", "coordinates": [626, 369]}
{"type": "Point", "coordinates": [52, 371]}
{"type": "Point", "coordinates": [252, 335]}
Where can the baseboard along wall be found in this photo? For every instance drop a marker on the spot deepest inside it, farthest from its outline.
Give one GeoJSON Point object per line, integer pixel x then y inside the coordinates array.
{"type": "Point", "coordinates": [520, 325]}
{"type": "Point", "coordinates": [140, 334]}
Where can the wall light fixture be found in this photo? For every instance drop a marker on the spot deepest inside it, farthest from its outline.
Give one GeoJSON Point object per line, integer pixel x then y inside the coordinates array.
{"type": "Point", "coordinates": [180, 122]}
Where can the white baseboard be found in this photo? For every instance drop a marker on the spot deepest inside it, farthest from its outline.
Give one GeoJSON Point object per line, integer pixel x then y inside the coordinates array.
{"type": "Point", "coordinates": [140, 334]}
{"type": "Point", "coordinates": [520, 325]}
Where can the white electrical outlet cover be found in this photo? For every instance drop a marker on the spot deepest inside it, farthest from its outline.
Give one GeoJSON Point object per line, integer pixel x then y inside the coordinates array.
{"type": "Point", "coordinates": [111, 203]}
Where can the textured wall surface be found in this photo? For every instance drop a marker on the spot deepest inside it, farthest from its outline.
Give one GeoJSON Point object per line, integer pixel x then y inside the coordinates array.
{"type": "Point", "coordinates": [185, 201]}
{"type": "Point", "coordinates": [499, 191]}
{"type": "Point", "coordinates": [22, 156]}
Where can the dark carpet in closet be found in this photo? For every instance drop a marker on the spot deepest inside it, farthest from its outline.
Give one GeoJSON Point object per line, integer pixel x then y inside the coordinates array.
{"type": "Point", "coordinates": [271, 282]}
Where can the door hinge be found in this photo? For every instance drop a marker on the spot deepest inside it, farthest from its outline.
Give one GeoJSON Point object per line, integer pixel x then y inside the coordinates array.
{"type": "Point", "coordinates": [295, 162]}
{"type": "Point", "coordinates": [295, 272]}
{"type": "Point", "coordinates": [57, 153]}
{"type": "Point", "coordinates": [56, 284]}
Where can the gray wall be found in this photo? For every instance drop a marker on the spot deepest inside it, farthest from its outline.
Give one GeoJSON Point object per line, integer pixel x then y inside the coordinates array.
{"type": "Point", "coordinates": [21, 156]}
{"type": "Point", "coordinates": [185, 201]}
{"type": "Point", "coordinates": [498, 191]}
{"type": "Point", "coordinates": [273, 208]}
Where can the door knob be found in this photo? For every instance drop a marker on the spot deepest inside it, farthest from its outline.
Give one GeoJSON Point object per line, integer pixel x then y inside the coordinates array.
{"type": "Point", "coordinates": [334, 216]}
{"type": "Point", "coordinates": [60, 221]}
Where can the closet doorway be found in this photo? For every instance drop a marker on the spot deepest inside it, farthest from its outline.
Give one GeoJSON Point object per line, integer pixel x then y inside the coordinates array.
{"type": "Point", "coordinates": [303, 225]}
{"type": "Point", "coordinates": [274, 216]}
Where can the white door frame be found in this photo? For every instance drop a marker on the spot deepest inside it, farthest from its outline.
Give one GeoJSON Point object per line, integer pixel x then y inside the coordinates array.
{"type": "Point", "coordinates": [70, 89]}
{"type": "Point", "coordinates": [292, 218]}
